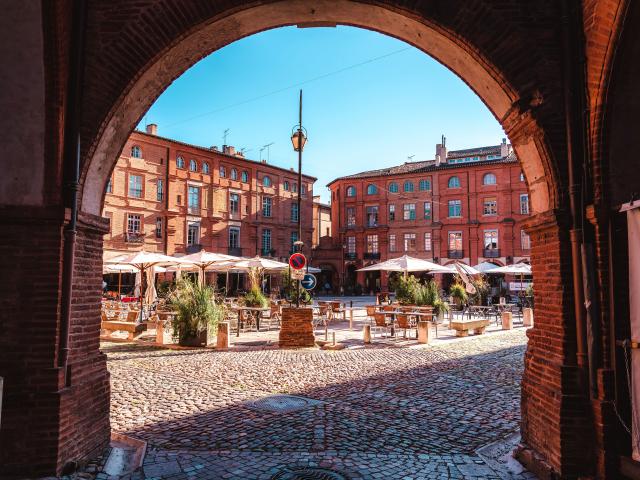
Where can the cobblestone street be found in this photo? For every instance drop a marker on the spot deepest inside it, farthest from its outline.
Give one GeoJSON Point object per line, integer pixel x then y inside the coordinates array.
{"type": "Point", "coordinates": [369, 412]}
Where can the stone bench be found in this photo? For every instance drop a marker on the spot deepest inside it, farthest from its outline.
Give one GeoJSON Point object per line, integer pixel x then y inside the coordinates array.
{"type": "Point", "coordinates": [113, 326]}
{"type": "Point", "coordinates": [463, 327]}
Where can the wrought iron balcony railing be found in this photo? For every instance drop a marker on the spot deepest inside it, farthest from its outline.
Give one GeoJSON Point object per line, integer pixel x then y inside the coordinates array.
{"type": "Point", "coordinates": [134, 237]}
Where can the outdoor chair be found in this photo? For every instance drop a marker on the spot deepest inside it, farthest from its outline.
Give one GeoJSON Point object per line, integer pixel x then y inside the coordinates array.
{"type": "Point", "coordinates": [323, 316]}
{"type": "Point", "coordinates": [275, 314]}
{"type": "Point", "coordinates": [404, 322]}
{"type": "Point", "coordinates": [371, 309]}
{"type": "Point", "coordinates": [380, 323]}
{"type": "Point", "coordinates": [132, 315]}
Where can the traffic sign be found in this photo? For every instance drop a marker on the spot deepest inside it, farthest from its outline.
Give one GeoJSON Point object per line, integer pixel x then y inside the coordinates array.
{"type": "Point", "coordinates": [297, 274]}
{"type": "Point", "coordinates": [297, 261]}
{"type": "Point", "coordinates": [309, 281]}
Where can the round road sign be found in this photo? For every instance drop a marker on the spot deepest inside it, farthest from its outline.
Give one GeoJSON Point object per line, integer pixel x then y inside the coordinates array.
{"type": "Point", "coordinates": [297, 261]}
{"type": "Point", "coordinates": [309, 281]}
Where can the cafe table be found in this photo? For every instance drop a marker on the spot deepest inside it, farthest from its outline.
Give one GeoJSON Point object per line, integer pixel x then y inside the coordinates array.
{"type": "Point", "coordinates": [253, 311]}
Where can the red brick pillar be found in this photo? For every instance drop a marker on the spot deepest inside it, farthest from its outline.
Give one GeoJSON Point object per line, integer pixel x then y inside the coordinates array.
{"type": "Point", "coordinates": [557, 435]}
{"type": "Point", "coordinates": [46, 424]}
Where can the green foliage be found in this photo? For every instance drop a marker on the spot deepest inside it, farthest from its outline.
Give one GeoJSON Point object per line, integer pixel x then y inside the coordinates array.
{"type": "Point", "coordinates": [482, 288]}
{"type": "Point", "coordinates": [458, 293]}
{"type": "Point", "coordinates": [255, 298]}
{"type": "Point", "coordinates": [529, 290]}
{"type": "Point", "coordinates": [196, 309]}
{"type": "Point", "coordinates": [164, 288]}
{"type": "Point", "coordinates": [291, 289]}
{"type": "Point", "coordinates": [409, 291]}
{"type": "Point", "coordinates": [440, 306]}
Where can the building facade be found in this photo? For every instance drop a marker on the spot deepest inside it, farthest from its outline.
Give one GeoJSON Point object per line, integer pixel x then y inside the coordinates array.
{"type": "Point", "coordinates": [171, 197]}
{"type": "Point", "coordinates": [466, 205]}
{"type": "Point", "coordinates": [321, 220]}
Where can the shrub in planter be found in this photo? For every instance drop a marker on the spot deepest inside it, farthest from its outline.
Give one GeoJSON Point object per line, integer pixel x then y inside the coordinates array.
{"type": "Point", "coordinates": [255, 298]}
{"type": "Point", "coordinates": [458, 293]}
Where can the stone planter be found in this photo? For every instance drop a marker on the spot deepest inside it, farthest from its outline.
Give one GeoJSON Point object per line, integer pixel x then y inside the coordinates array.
{"type": "Point", "coordinates": [199, 340]}
{"type": "Point", "coordinates": [297, 328]}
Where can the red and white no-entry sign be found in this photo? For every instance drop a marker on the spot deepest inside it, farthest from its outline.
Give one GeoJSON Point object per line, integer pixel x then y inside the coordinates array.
{"type": "Point", "coordinates": [297, 261]}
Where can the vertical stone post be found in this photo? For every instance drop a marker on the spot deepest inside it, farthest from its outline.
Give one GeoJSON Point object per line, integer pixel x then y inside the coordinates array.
{"type": "Point", "coordinates": [527, 317]}
{"type": "Point", "coordinates": [222, 341]}
{"type": "Point", "coordinates": [366, 333]}
{"type": "Point", "coordinates": [424, 332]}
{"type": "Point", "coordinates": [507, 321]}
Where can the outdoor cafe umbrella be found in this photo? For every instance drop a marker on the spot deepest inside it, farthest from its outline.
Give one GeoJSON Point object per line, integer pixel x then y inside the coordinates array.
{"type": "Point", "coordinates": [485, 266]}
{"type": "Point", "coordinates": [255, 262]}
{"type": "Point", "coordinates": [406, 264]}
{"type": "Point", "coordinates": [457, 267]}
{"type": "Point", "coordinates": [521, 269]}
{"type": "Point", "coordinates": [119, 269]}
{"type": "Point", "coordinates": [204, 260]}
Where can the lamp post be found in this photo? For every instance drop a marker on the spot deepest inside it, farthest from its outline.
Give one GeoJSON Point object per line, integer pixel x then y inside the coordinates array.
{"type": "Point", "coordinates": [298, 139]}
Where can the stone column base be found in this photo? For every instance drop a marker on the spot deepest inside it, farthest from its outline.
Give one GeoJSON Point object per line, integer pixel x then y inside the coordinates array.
{"type": "Point", "coordinates": [297, 328]}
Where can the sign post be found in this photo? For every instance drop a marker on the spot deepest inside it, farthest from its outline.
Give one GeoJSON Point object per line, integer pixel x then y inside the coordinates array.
{"type": "Point", "coordinates": [309, 281]}
{"type": "Point", "coordinates": [297, 262]}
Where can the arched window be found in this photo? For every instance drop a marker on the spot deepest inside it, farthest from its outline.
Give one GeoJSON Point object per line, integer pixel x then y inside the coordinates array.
{"type": "Point", "coordinates": [234, 174]}
{"type": "Point", "coordinates": [351, 191]}
{"type": "Point", "coordinates": [205, 168]}
{"type": "Point", "coordinates": [489, 179]}
{"type": "Point", "coordinates": [393, 187]}
{"type": "Point", "coordinates": [454, 182]}
{"type": "Point", "coordinates": [223, 171]}
{"type": "Point", "coordinates": [136, 151]}
{"type": "Point", "coordinates": [245, 176]}
{"type": "Point", "coordinates": [266, 181]}
{"type": "Point", "coordinates": [286, 186]}
{"type": "Point", "coordinates": [424, 185]}
{"type": "Point", "coordinates": [180, 162]}
{"type": "Point", "coordinates": [372, 189]}
{"type": "Point", "coordinates": [193, 166]}
{"type": "Point", "coordinates": [408, 186]}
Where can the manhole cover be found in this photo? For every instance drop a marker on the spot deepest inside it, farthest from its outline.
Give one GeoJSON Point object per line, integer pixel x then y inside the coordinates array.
{"type": "Point", "coordinates": [282, 403]}
{"type": "Point", "coordinates": [308, 473]}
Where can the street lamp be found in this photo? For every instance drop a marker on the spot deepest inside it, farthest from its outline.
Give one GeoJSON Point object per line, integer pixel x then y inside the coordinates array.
{"type": "Point", "coordinates": [298, 139]}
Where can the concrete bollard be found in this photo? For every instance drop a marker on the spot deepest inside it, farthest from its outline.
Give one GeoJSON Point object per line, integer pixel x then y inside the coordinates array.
{"type": "Point", "coordinates": [222, 340]}
{"type": "Point", "coordinates": [366, 334]}
{"type": "Point", "coordinates": [424, 332]}
{"type": "Point", "coordinates": [333, 338]}
{"type": "Point", "coordinates": [507, 321]}
{"type": "Point", "coordinates": [527, 317]}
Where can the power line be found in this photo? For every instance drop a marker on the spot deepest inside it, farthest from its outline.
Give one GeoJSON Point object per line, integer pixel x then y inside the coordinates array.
{"type": "Point", "coordinates": [295, 85]}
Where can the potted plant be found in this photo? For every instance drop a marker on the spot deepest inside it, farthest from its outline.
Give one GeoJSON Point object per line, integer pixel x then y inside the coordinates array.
{"type": "Point", "coordinates": [458, 293]}
{"type": "Point", "coordinates": [254, 297]}
{"type": "Point", "coordinates": [197, 312]}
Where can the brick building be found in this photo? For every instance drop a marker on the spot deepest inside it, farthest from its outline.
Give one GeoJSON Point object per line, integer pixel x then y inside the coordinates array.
{"type": "Point", "coordinates": [176, 198]}
{"type": "Point", "coordinates": [467, 205]}
{"type": "Point", "coordinates": [321, 220]}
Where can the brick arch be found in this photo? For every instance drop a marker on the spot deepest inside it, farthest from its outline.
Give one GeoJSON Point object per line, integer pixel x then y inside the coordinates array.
{"type": "Point", "coordinates": [513, 106]}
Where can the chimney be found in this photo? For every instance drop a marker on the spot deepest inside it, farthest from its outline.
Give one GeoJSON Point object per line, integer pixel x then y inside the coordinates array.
{"type": "Point", "coordinates": [152, 129]}
{"type": "Point", "coordinates": [213, 148]}
{"type": "Point", "coordinates": [504, 148]}
{"type": "Point", "coordinates": [263, 161]}
{"type": "Point", "coordinates": [228, 149]}
{"type": "Point", "coordinates": [437, 160]}
{"type": "Point", "coordinates": [441, 150]}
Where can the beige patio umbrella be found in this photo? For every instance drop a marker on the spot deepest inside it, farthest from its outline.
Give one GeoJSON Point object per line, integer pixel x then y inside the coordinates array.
{"type": "Point", "coordinates": [204, 260]}
{"type": "Point", "coordinates": [406, 264]}
{"type": "Point", "coordinates": [521, 269]}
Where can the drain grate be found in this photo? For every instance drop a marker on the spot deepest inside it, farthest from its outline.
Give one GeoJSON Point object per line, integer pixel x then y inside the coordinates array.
{"type": "Point", "coordinates": [308, 473]}
{"type": "Point", "coordinates": [282, 403]}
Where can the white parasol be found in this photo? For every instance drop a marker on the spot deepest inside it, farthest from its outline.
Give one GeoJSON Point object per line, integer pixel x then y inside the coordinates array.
{"type": "Point", "coordinates": [208, 260]}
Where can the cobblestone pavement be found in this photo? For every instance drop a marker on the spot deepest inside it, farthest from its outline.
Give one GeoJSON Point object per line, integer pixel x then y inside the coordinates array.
{"type": "Point", "coordinates": [379, 412]}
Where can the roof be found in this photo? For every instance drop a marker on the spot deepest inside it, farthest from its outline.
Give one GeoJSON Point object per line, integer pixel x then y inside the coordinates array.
{"type": "Point", "coordinates": [430, 165]}
{"type": "Point", "coordinates": [218, 152]}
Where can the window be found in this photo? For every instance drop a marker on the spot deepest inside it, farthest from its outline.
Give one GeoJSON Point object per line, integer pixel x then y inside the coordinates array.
{"type": "Point", "coordinates": [159, 190]}
{"type": "Point", "coordinates": [408, 186]}
{"type": "Point", "coordinates": [489, 179]}
{"type": "Point", "coordinates": [158, 227]}
{"type": "Point", "coordinates": [351, 191]}
{"type": "Point", "coordinates": [371, 189]}
{"type": "Point", "coordinates": [372, 216]}
{"type": "Point", "coordinates": [427, 241]}
{"type": "Point", "coordinates": [454, 182]}
{"type": "Point", "coordinates": [234, 174]}
{"type": "Point", "coordinates": [266, 181]}
{"type": "Point", "coordinates": [223, 171]}
{"type": "Point", "coordinates": [136, 151]}
{"type": "Point", "coordinates": [294, 188]}
{"type": "Point", "coordinates": [409, 242]}
{"type": "Point", "coordinates": [525, 240]}
{"type": "Point", "coordinates": [205, 168]}
{"type": "Point", "coordinates": [295, 214]}
{"type": "Point", "coordinates": [266, 241]}
{"type": "Point", "coordinates": [351, 217]}
{"type": "Point", "coordinates": [409, 211]}
{"type": "Point", "coordinates": [455, 208]}
{"type": "Point", "coordinates": [303, 190]}
{"type": "Point", "coordinates": [521, 176]}
{"type": "Point", "coordinates": [393, 187]}
{"type": "Point", "coordinates": [234, 237]}
{"type": "Point", "coordinates": [109, 188]}
{"type": "Point", "coordinates": [489, 206]}
{"type": "Point", "coordinates": [294, 239]}
{"type": "Point", "coordinates": [524, 204]}
{"type": "Point", "coordinates": [392, 212]}
{"type": "Point", "coordinates": [266, 206]}
{"type": "Point", "coordinates": [135, 186]}
{"type": "Point", "coordinates": [244, 176]}
{"type": "Point", "coordinates": [134, 223]}
{"type": "Point", "coordinates": [193, 166]}
{"type": "Point", "coordinates": [193, 199]}
{"type": "Point", "coordinates": [372, 244]}
{"type": "Point", "coordinates": [351, 245]}
{"type": "Point", "coordinates": [424, 185]}
{"type": "Point", "coordinates": [455, 241]}
{"type": "Point", "coordinates": [427, 210]}
{"type": "Point", "coordinates": [286, 186]}
{"type": "Point", "coordinates": [234, 203]}
{"type": "Point", "coordinates": [179, 162]}
{"type": "Point", "coordinates": [493, 157]}
{"type": "Point", "coordinates": [491, 239]}
{"type": "Point", "coordinates": [392, 243]}
{"type": "Point", "coordinates": [178, 199]}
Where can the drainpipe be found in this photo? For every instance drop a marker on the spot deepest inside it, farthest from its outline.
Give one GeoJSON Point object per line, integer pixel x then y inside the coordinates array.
{"type": "Point", "coordinates": [72, 179]}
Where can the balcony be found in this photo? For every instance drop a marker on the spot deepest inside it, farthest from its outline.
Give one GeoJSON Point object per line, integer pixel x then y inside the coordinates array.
{"type": "Point", "coordinates": [455, 254]}
{"type": "Point", "coordinates": [195, 248]}
{"type": "Point", "coordinates": [350, 256]}
{"type": "Point", "coordinates": [235, 251]}
{"type": "Point", "coordinates": [372, 256]}
{"type": "Point", "coordinates": [134, 237]}
{"type": "Point", "coordinates": [491, 252]}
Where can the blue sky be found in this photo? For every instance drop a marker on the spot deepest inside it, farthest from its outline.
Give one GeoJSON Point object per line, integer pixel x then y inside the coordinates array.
{"type": "Point", "coordinates": [370, 101]}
